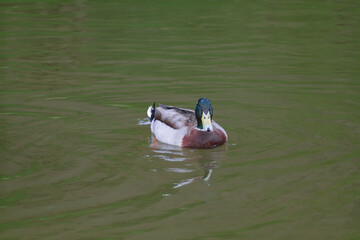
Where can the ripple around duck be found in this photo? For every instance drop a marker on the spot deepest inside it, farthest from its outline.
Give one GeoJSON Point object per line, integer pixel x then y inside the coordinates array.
{"type": "Point", "coordinates": [186, 162]}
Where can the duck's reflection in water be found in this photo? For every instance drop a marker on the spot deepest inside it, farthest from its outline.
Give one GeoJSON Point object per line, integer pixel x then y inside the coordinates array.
{"type": "Point", "coordinates": [192, 160]}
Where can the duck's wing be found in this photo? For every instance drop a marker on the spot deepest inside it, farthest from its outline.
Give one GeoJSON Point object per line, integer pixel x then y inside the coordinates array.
{"type": "Point", "coordinates": [175, 117]}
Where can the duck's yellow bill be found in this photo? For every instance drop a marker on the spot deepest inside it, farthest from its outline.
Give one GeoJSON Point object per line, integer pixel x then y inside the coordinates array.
{"type": "Point", "coordinates": [206, 122]}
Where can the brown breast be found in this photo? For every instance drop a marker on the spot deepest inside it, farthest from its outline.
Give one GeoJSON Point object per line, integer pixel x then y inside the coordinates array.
{"type": "Point", "coordinates": [203, 139]}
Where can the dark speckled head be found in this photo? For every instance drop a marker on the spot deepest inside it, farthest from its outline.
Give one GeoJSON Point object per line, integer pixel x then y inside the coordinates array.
{"type": "Point", "coordinates": [204, 114]}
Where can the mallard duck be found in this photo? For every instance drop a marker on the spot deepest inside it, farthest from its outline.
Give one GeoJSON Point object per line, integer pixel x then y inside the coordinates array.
{"type": "Point", "coordinates": [186, 128]}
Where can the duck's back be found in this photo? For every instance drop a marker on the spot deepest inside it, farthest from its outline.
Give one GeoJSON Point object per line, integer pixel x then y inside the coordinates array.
{"type": "Point", "coordinates": [175, 117]}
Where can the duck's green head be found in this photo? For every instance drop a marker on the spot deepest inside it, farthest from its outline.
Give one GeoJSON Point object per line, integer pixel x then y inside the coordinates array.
{"type": "Point", "coordinates": [204, 114]}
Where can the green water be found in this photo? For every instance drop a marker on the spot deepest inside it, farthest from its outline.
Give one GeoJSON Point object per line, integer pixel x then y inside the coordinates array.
{"type": "Point", "coordinates": [76, 78]}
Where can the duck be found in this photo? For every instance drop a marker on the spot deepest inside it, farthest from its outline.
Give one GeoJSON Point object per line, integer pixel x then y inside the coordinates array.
{"type": "Point", "coordinates": [186, 128]}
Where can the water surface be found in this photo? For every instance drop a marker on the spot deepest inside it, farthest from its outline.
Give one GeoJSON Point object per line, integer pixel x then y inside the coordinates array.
{"type": "Point", "coordinates": [76, 153]}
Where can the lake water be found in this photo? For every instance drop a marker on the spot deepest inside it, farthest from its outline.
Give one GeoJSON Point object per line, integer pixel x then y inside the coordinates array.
{"type": "Point", "coordinates": [76, 153]}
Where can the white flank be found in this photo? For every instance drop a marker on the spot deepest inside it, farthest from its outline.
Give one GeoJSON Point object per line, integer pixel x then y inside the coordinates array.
{"type": "Point", "coordinates": [166, 134]}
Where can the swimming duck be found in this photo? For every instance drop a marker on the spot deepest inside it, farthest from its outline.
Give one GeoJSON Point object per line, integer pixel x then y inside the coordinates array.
{"type": "Point", "coordinates": [186, 128]}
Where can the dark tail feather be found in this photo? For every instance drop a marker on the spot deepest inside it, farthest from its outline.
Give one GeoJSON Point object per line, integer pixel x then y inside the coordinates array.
{"type": "Point", "coordinates": [152, 112]}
